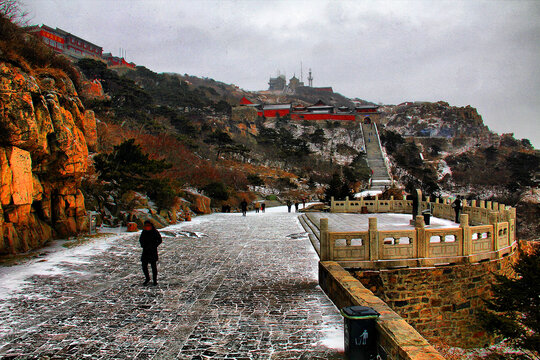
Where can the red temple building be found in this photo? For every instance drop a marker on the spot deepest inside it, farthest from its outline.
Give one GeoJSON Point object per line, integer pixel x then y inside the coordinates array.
{"type": "Point", "coordinates": [272, 111]}
{"type": "Point", "coordinates": [117, 61]}
{"type": "Point", "coordinates": [245, 101]}
{"type": "Point", "coordinates": [66, 43]}
{"type": "Point", "coordinates": [317, 111]}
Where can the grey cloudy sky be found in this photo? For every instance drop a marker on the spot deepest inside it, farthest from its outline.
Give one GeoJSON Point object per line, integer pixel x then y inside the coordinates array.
{"type": "Point", "coordinates": [479, 53]}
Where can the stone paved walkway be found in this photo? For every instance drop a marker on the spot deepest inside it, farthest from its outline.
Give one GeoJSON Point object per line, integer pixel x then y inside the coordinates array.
{"type": "Point", "coordinates": [229, 288]}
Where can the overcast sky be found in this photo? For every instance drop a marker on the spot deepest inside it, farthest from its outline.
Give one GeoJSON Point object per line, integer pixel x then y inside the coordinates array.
{"type": "Point", "coordinates": [483, 54]}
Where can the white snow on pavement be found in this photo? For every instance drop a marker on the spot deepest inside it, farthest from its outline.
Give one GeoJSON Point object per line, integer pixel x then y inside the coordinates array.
{"type": "Point", "coordinates": [13, 279]}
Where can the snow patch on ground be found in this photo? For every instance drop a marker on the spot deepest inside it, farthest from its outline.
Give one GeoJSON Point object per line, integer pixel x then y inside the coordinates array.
{"type": "Point", "coordinates": [443, 169]}
{"type": "Point", "coordinates": [365, 193]}
{"type": "Point", "coordinates": [333, 338]}
{"type": "Point", "coordinates": [13, 279]}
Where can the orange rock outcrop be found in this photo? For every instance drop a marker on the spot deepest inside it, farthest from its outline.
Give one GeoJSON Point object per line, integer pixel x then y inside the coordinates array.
{"type": "Point", "coordinates": [46, 136]}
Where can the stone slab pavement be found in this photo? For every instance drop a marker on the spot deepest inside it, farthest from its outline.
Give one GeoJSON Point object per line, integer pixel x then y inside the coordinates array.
{"type": "Point", "coordinates": [230, 287]}
{"type": "Point", "coordinates": [359, 222]}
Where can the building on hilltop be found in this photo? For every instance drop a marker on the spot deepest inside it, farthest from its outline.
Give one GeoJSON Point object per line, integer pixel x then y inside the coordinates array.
{"type": "Point", "coordinates": [369, 112]}
{"type": "Point", "coordinates": [295, 85]}
{"type": "Point", "coordinates": [65, 43]}
{"type": "Point", "coordinates": [277, 83]}
{"type": "Point", "coordinates": [294, 82]}
{"type": "Point", "coordinates": [275, 110]}
{"type": "Point", "coordinates": [117, 61]}
{"type": "Point", "coordinates": [317, 111]}
{"type": "Point", "coordinates": [245, 101]}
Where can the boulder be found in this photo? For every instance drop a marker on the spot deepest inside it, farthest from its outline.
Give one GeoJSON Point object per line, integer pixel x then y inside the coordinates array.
{"type": "Point", "coordinates": [93, 90]}
{"type": "Point", "coordinates": [89, 129]}
{"type": "Point", "coordinates": [18, 121]}
{"type": "Point", "coordinates": [70, 143]}
{"type": "Point", "coordinates": [200, 204]}
{"type": "Point", "coordinates": [37, 194]}
{"type": "Point", "coordinates": [6, 179]}
{"type": "Point", "coordinates": [139, 216]}
{"type": "Point", "coordinates": [22, 185]}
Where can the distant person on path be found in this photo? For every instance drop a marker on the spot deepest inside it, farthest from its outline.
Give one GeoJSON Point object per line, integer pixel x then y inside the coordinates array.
{"type": "Point", "coordinates": [149, 240]}
{"type": "Point", "coordinates": [257, 207]}
{"type": "Point", "coordinates": [244, 205]}
{"type": "Point", "coordinates": [263, 206]}
{"type": "Point", "coordinates": [457, 207]}
{"type": "Point", "coordinates": [303, 203]}
{"type": "Point", "coordinates": [296, 204]}
{"type": "Point", "coordinates": [289, 204]}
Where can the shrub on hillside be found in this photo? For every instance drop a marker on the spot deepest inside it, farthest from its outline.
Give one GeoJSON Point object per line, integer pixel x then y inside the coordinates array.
{"type": "Point", "coordinates": [128, 168]}
{"type": "Point", "coordinates": [216, 191]}
{"type": "Point", "coordinates": [337, 188]}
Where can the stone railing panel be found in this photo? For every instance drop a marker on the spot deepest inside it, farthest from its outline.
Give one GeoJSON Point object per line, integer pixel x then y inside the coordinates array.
{"type": "Point", "coordinates": [349, 246]}
{"type": "Point", "coordinates": [444, 242]}
{"type": "Point", "coordinates": [397, 244]}
{"type": "Point", "coordinates": [503, 235]}
{"type": "Point", "coordinates": [482, 238]}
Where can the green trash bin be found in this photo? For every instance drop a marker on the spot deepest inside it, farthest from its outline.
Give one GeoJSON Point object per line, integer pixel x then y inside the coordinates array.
{"type": "Point", "coordinates": [360, 332]}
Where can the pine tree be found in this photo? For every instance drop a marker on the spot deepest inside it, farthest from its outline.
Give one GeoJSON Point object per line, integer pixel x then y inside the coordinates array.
{"type": "Point", "coordinates": [514, 310]}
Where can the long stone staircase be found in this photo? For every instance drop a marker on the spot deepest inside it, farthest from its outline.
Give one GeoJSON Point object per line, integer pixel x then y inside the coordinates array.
{"type": "Point", "coordinates": [375, 158]}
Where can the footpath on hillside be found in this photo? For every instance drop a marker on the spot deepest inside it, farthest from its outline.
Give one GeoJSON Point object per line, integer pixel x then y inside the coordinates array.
{"type": "Point", "coordinates": [230, 287]}
{"type": "Point", "coordinates": [375, 158]}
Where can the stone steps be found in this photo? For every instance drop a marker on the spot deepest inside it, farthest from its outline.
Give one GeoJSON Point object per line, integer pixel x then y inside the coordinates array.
{"type": "Point", "coordinates": [312, 230]}
{"type": "Point", "coordinates": [380, 177]}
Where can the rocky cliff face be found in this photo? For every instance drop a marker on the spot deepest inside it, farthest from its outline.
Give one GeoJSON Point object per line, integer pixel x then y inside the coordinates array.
{"type": "Point", "coordinates": [434, 120]}
{"type": "Point", "coordinates": [45, 137]}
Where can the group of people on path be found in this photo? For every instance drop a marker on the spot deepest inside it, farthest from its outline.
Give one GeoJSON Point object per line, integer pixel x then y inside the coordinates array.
{"type": "Point", "coordinates": [296, 205]}
{"type": "Point", "coordinates": [261, 206]}
{"type": "Point", "coordinates": [258, 207]}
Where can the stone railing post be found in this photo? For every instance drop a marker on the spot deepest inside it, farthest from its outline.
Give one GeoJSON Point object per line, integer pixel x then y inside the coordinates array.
{"type": "Point", "coordinates": [467, 238]}
{"type": "Point", "coordinates": [422, 243]}
{"type": "Point", "coordinates": [324, 240]}
{"type": "Point", "coordinates": [494, 221]}
{"type": "Point", "coordinates": [347, 204]}
{"type": "Point", "coordinates": [373, 235]}
{"type": "Point", "coordinates": [332, 204]}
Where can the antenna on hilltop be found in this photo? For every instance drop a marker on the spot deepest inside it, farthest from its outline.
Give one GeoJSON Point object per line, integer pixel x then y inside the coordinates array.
{"type": "Point", "coordinates": [301, 73]}
{"type": "Point", "coordinates": [310, 79]}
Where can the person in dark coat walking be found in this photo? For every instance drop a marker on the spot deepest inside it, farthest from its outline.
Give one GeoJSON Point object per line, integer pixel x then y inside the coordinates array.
{"type": "Point", "coordinates": [263, 207]}
{"type": "Point", "coordinates": [457, 207]}
{"type": "Point", "coordinates": [296, 206]}
{"type": "Point", "coordinates": [244, 206]}
{"type": "Point", "coordinates": [289, 205]}
{"type": "Point", "coordinates": [150, 240]}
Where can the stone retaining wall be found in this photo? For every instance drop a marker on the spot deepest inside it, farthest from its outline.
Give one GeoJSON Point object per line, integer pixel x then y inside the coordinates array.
{"type": "Point", "coordinates": [441, 303]}
{"type": "Point", "coordinates": [397, 338]}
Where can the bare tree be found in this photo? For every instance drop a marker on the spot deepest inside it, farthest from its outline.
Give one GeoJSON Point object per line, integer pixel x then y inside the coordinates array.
{"type": "Point", "coordinates": [14, 11]}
